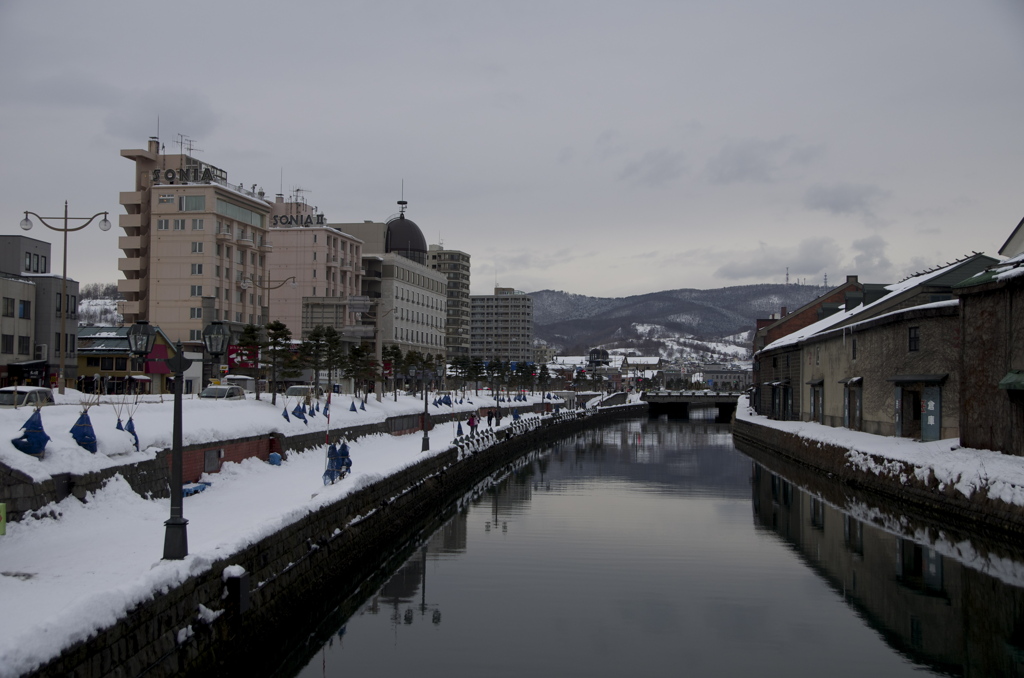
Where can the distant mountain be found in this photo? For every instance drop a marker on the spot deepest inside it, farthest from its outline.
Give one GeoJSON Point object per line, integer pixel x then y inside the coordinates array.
{"type": "Point", "coordinates": [661, 321]}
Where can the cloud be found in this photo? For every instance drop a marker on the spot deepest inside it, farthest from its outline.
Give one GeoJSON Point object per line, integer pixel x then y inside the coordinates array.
{"type": "Point", "coordinates": [809, 257]}
{"type": "Point", "coordinates": [870, 261]}
{"type": "Point", "coordinates": [840, 199]}
{"type": "Point", "coordinates": [69, 89]}
{"type": "Point", "coordinates": [188, 112]}
{"type": "Point", "coordinates": [655, 168]}
{"type": "Point", "coordinates": [758, 161]}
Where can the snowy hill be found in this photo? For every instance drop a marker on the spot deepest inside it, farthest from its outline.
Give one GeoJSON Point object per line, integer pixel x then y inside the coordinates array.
{"type": "Point", "coordinates": [714, 324]}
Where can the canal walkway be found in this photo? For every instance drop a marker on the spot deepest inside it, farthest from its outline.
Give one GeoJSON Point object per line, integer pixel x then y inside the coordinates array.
{"type": "Point", "coordinates": [79, 567]}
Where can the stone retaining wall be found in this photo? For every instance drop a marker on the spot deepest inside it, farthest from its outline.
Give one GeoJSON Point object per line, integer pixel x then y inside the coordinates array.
{"type": "Point", "coordinates": [299, 574]}
{"type": "Point", "coordinates": [923, 498]}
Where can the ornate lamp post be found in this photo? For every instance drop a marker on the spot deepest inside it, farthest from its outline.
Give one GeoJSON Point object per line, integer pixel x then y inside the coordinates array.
{"type": "Point", "coordinates": [141, 337]}
{"type": "Point", "coordinates": [216, 337]}
{"type": "Point", "coordinates": [26, 224]}
{"type": "Point", "coordinates": [176, 527]}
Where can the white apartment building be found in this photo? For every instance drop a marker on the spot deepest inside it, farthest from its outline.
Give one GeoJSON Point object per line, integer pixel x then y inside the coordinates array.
{"type": "Point", "coordinates": [502, 326]}
{"type": "Point", "coordinates": [454, 264]}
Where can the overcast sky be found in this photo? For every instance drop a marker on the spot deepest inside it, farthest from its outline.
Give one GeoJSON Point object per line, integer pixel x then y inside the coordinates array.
{"type": "Point", "coordinates": [601, 148]}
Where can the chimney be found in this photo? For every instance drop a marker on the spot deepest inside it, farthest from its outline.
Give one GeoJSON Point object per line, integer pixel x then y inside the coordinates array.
{"type": "Point", "coordinates": [784, 313]}
{"type": "Point", "coordinates": [154, 146]}
{"type": "Point", "coordinates": [851, 280]}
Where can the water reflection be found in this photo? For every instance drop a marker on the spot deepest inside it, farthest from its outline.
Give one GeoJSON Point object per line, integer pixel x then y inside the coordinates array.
{"type": "Point", "coordinates": [945, 600]}
{"type": "Point", "coordinates": [630, 550]}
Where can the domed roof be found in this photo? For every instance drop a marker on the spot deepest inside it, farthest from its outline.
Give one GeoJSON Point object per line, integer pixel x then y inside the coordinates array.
{"type": "Point", "coordinates": [405, 238]}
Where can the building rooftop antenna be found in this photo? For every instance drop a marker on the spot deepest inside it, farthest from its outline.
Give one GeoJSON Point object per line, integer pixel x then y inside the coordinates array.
{"type": "Point", "coordinates": [187, 144]}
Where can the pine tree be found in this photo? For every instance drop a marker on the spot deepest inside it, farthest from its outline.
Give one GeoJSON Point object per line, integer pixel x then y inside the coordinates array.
{"type": "Point", "coordinates": [279, 353]}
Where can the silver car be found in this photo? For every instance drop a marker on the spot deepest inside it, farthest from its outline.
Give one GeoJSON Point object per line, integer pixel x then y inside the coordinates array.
{"type": "Point", "coordinates": [25, 396]}
{"type": "Point", "coordinates": [223, 393]}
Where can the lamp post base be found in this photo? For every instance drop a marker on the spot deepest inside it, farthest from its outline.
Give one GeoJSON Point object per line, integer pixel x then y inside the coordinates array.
{"type": "Point", "coordinates": [426, 442]}
{"type": "Point", "coordinates": [175, 539]}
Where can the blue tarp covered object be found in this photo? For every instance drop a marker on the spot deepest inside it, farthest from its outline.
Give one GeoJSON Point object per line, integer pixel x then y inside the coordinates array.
{"type": "Point", "coordinates": [83, 433]}
{"type": "Point", "coordinates": [33, 440]}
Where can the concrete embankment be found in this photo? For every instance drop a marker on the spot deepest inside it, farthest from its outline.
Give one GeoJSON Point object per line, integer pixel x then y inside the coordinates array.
{"type": "Point", "coordinates": [243, 613]}
{"type": "Point", "coordinates": [926, 499]}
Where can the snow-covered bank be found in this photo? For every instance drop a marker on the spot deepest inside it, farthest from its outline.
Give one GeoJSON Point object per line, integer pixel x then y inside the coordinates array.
{"type": "Point", "coordinates": [81, 570]}
{"type": "Point", "coordinates": [971, 473]}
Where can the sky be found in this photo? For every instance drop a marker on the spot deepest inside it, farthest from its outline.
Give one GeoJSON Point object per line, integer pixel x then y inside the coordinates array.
{"type": "Point", "coordinates": [70, 575]}
{"type": "Point", "coordinates": [596, 147]}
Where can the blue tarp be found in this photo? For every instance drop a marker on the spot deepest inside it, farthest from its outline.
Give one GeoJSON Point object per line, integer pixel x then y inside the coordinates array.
{"type": "Point", "coordinates": [33, 440]}
{"type": "Point", "coordinates": [130, 427]}
{"type": "Point", "coordinates": [83, 433]}
{"type": "Point", "coordinates": [299, 414]}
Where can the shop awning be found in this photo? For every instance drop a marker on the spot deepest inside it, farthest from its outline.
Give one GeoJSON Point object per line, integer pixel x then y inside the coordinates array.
{"type": "Point", "coordinates": [155, 361]}
{"type": "Point", "coordinates": [1013, 381]}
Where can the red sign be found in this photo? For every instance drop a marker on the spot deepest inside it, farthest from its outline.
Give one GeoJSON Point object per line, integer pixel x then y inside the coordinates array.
{"type": "Point", "coordinates": [242, 356]}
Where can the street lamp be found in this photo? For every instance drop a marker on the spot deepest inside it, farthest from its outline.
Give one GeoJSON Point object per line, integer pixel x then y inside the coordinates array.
{"type": "Point", "coordinates": [268, 286]}
{"type": "Point", "coordinates": [216, 337]}
{"type": "Point", "coordinates": [141, 337]}
{"type": "Point", "coordinates": [26, 224]}
{"type": "Point", "coordinates": [175, 528]}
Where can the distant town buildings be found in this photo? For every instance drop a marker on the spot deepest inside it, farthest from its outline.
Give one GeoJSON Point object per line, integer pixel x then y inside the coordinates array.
{"type": "Point", "coordinates": [454, 264]}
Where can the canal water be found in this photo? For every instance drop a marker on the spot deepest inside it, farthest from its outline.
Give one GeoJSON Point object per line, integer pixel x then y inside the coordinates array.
{"type": "Point", "coordinates": [655, 548]}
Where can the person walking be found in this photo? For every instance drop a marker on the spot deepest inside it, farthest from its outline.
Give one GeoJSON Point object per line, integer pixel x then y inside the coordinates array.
{"type": "Point", "coordinates": [472, 424]}
{"type": "Point", "coordinates": [490, 417]}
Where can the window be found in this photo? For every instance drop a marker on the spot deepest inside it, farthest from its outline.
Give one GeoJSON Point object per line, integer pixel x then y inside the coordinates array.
{"type": "Point", "coordinates": [853, 348]}
{"type": "Point", "coordinates": [92, 362]}
{"type": "Point", "coordinates": [107, 364]}
{"type": "Point", "coordinates": [166, 198]}
{"type": "Point", "coordinates": [227, 294]}
{"type": "Point", "coordinates": [121, 364]}
{"type": "Point", "coordinates": [28, 261]}
{"type": "Point", "coordinates": [24, 348]}
{"type": "Point", "coordinates": [35, 263]}
{"type": "Point", "coordinates": [197, 248]}
{"type": "Point", "coordinates": [42, 264]}
{"type": "Point", "coordinates": [25, 309]}
{"type": "Point", "coordinates": [197, 225]}
{"type": "Point", "coordinates": [195, 312]}
{"type": "Point", "coordinates": [7, 343]}
{"type": "Point", "coordinates": [216, 271]}
{"type": "Point", "coordinates": [195, 335]}
{"type": "Point", "coordinates": [179, 224]}
{"type": "Point", "coordinates": [197, 269]}
{"type": "Point", "coordinates": [241, 296]}
{"type": "Point", "coordinates": [70, 340]}
{"type": "Point", "coordinates": [163, 224]}
{"type": "Point", "coordinates": [238, 316]}
{"type": "Point", "coordinates": [56, 344]}
{"type": "Point", "coordinates": [9, 306]}
{"type": "Point", "coordinates": [191, 203]}
{"type": "Point", "coordinates": [914, 339]}
{"type": "Point", "coordinates": [196, 291]}
{"type": "Point", "coordinates": [241, 257]}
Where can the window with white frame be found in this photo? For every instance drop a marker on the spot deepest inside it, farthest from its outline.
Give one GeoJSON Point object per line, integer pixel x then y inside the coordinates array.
{"type": "Point", "coordinates": [179, 224]}
{"type": "Point", "coordinates": [197, 248]}
{"type": "Point", "coordinates": [197, 224]}
{"type": "Point", "coordinates": [163, 224]}
{"type": "Point", "coordinates": [196, 291]}
{"type": "Point", "coordinates": [166, 198]}
{"type": "Point", "coordinates": [197, 269]}
{"type": "Point", "coordinates": [195, 335]}
{"type": "Point", "coordinates": [195, 312]}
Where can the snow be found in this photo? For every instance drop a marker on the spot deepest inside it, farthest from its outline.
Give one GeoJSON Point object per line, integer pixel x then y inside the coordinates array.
{"type": "Point", "coordinates": [967, 470]}
{"type": "Point", "coordinates": [77, 567]}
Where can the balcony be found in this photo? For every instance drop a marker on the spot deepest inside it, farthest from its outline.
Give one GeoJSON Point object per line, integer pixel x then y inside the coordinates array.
{"type": "Point", "coordinates": [129, 242]}
{"type": "Point", "coordinates": [129, 264]}
{"type": "Point", "coordinates": [224, 234]}
{"type": "Point", "coordinates": [132, 286]}
{"type": "Point", "coordinates": [131, 198]}
{"type": "Point", "coordinates": [130, 307]}
{"type": "Point", "coordinates": [129, 220]}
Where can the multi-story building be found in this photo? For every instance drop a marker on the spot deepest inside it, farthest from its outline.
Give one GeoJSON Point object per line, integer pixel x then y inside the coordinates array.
{"type": "Point", "coordinates": [314, 272]}
{"type": "Point", "coordinates": [193, 244]}
{"type": "Point", "coordinates": [501, 326]}
{"type": "Point", "coordinates": [455, 265]}
{"type": "Point", "coordinates": [410, 298]}
{"type": "Point", "coordinates": [30, 321]}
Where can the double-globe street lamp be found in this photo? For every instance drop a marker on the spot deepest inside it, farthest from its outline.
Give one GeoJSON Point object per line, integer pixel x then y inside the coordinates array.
{"type": "Point", "coordinates": [141, 337]}
{"type": "Point", "coordinates": [26, 224]}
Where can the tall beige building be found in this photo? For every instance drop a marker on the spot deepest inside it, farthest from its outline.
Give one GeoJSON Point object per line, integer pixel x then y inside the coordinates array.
{"type": "Point", "coordinates": [502, 326]}
{"type": "Point", "coordinates": [454, 264]}
{"type": "Point", "coordinates": [193, 243]}
{"type": "Point", "coordinates": [315, 270]}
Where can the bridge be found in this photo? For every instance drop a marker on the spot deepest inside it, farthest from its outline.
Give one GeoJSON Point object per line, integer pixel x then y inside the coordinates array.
{"type": "Point", "coordinates": [679, 403]}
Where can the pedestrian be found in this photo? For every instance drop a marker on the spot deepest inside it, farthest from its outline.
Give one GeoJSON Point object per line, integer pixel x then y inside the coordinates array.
{"type": "Point", "coordinates": [490, 417]}
{"type": "Point", "coordinates": [472, 424]}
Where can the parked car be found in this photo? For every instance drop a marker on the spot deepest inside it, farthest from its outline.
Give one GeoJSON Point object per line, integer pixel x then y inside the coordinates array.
{"type": "Point", "coordinates": [25, 396]}
{"type": "Point", "coordinates": [223, 392]}
{"type": "Point", "coordinates": [303, 391]}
